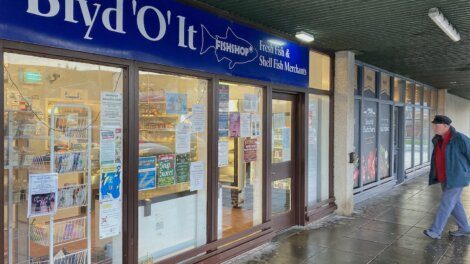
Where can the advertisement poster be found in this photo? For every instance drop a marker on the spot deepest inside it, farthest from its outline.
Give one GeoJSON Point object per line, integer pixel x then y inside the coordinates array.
{"type": "Point", "coordinates": [223, 98]}
{"type": "Point", "coordinates": [286, 144]}
{"type": "Point", "coordinates": [250, 103]}
{"type": "Point", "coordinates": [147, 177]}
{"type": "Point", "coordinates": [166, 170]}
{"type": "Point", "coordinates": [107, 146]}
{"type": "Point", "coordinates": [249, 149]}
{"type": "Point", "coordinates": [110, 182]}
{"type": "Point", "coordinates": [234, 127]}
{"type": "Point", "coordinates": [223, 124]}
{"type": "Point", "coordinates": [197, 176]}
{"type": "Point", "coordinates": [279, 120]}
{"type": "Point", "coordinates": [182, 167]}
{"type": "Point", "coordinates": [110, 218]}
{"type": "Point", "coordinates": [369, 147]}
{"type": "Point", "coordinates": [176, 103]}
{"type": "Point", "coordinates": [255, 125]}
{"type": "Point", "coordinates": [245, 124]}
{"type": "Point", "coordinates": [198, 118]}
{"type": "Point", "coordinates": [111, 109]}
{"type": "Point", "coordinates": [43, 194]}
{"type": "Point", "coordinates": [183, 138]}
{"type": "Point", "coordinates": [223, 153]}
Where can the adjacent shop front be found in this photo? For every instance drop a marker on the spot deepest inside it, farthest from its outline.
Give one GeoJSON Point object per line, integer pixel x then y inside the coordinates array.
{"type": "Point", "coordinates": [144, 132]}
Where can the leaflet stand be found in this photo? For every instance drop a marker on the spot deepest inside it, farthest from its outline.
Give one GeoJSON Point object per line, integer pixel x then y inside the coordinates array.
{"type": "Point", "coordinates": [76, 134]}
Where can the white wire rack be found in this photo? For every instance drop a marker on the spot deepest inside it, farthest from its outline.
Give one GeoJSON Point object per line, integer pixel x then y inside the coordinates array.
{"type": "Point", "coordinates": [64, 232]}
{"type": "Point", "coordinates": [79, 257]}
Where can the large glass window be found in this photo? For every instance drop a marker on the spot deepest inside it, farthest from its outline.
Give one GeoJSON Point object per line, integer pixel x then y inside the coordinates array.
{"type": "Point", "coordinates": [63, 161]}
{"type": "Point", "coordinates": [172, 179]}
{"type": "Point", "coordinates": [369, 82]}
{"type": "Point", "coordinates": [318, 143]}
{"type": "Point", "coordinates": [240, 159]}
{"type": "Point", "coordinates": [398, 88]}
{"type": "Point", "coordinates": [369, 143]}
{"type": "Point", "coordinates": [426, 135]}
{"type": "Point", "coordinates": [408, 137]}
{"type": "Point", "coordinates": [418, 91]}
{"type": "Point", "coordinates": [384, 86]}
{"type": "Point", "coordinates": [320, 67]}
{"type": "Point", "coordinates": [427, 96]}
{"type": "Point", "coordinates": [356, 80]}
{"type": "Point", "coordinates": [410, 90]}
{"type": "Point", "coordinates": [418, 128]}
{"type": "Point", "coordinates": [384, 141]}
{"type": "Point", "coordinates": [357, 132]}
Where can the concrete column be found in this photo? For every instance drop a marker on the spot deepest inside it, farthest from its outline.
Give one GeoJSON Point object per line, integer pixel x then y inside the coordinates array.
{"type": "Point", "coordinates": [343, 131]}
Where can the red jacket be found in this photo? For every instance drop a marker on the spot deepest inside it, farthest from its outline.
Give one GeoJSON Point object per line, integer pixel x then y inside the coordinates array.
{"type": "Point", "coordinates": [441, 157]}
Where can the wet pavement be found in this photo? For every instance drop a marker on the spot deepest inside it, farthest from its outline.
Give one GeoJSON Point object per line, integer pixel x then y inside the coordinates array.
{"type": "Point", "coordinates": [387, 228]}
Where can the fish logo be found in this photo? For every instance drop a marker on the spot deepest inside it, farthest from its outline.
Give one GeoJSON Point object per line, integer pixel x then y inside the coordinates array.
{"type": "Point", "coordinates": [232, 48]}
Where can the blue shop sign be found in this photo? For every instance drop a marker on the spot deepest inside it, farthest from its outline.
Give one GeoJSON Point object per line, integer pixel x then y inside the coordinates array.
{"type": "Point", "coordinates": [163, 32]}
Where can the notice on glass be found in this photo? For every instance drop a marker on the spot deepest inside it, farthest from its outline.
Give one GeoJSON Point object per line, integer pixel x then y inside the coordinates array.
{"type": "Point", "coordinates": [197, 176]}
{"type": "Point", "coordinates": [43, 194]}
{"type": "Point", "coordinates": [198, 118]}
{"type": "Point", "coordinates": [182, 167]}
{"type": "Point", "coordinates": [110, 218]}
{"type": "Point", "coordinates": [110, 182]}
{"type": "Point", "coordinates": [249, 149]}
{"type": "Point", "coordinates": [111, 109]}
{"type": "Point", "coordinates": [245, 124]}
{"type": "Point", "coordinates": [286, 142]}
{"type": "Point", "coordinates": [107, 146]}
{"type": "Point", "coordinates": [279, 120]}
{"type": "Point", "coordinates": [255, 125]}
{"type": "Point", "coordinates": [250, 103]}
{"type": "Point", "coordinates": [166, 170]}
{"type": "Point", "coordinates": [183, 138]}
{"type": "Point", "coordinates": [223, 124]}
{"type": "Point", "coordinates": [223, 98]}
{"type": "Point", "coordinates": [223, 153]}
{"type": "Point", "coordinates": [176, 103]}
{"type": "Point", "coordinates": [147, 177]}
{"type": "Point", "coordinates": [234, 127]}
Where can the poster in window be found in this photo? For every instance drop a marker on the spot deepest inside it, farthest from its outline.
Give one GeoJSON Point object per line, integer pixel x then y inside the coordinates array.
{"type": "Point", "coordinates": [110, 182]}
{"type": "Point", "coordinates": [286, 142]}
{"type": "Point", "coordinates": [197, 176]}
{"type": "Point", "coordinates": [176, 103]}
{"type": "Point", "coordinates": [183, 138]}
{"type": "Point", "coordinates": [369, 150]}
{"type": "Point", "coordinates": [166, 170]}
{"type": "Point", "coordinates": [42, 194]}
{"type": "Point", "coordinates": [249, 149]}
{"type": "Point", "coordinates": [369, 82]}
{"type": "Point", "coordinates": [182, 167]}
{"type": "Point", "coordinates": [250, 103]}
{"type": "Point", "coordinates": [234, 124]}
{"type": "Point", "coordinates": [223, 153]}
{"type": "Point", "coordinates": [198, 118]}
{"type": "Point", "coordinates": [255, 125]}
{"type": "Point", "coordinates": [223, 124]}
{"type": "Point", "coordinates": [384, 140]}
{"type": "Point", "coordinates": [223, 98]}
{"type": "Point", "coordinates": [111, 109]}
{"type": "Point", "coordinates": [245, 124]}
{"type": "Point", "coordinates": [147, 176]}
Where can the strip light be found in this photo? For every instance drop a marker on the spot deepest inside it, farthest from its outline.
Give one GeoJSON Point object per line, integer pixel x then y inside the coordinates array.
{"type": "Point", "coordinates": [304, 36]}
{"type": "Point", "coordinates": [443, 24]}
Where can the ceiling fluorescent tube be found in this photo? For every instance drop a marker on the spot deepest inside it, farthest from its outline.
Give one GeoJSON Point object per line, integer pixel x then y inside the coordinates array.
{"type": "Point", "coordinates": [304, 36]}
{"type": "Point", "coordinates": [443, 24]}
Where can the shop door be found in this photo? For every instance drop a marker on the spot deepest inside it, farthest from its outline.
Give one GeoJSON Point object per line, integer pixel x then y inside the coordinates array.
{"type": "Point", "coordinates": [397, 144]}
{"type": "Point", "coordinates": [283, 177]}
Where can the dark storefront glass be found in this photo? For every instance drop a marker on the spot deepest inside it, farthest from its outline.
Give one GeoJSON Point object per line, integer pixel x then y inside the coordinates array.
{"type": "Point", "coordinates": [357, 122]}
{"type": "Point", "coordinates": [399, 87]}
{"type": "Point", "coordinates": [384, 86]}
{"type": "Point", "coordinates": [356, 80]}
{"type": "Point", "coordinates": [426, 134]}
{"type": "Point", "coordinates": [369, 143]}
{"type": "Point", "coordinates": [427, 96]}
{"type": "Point", "coordinates": [418, 128]}
{"type": "Point", "coordinates": [408, 137]}
{"type": "Point", "coordinates": [384, 141]}
{"type": "Point", "coordinates": [368, 82]}
{"type": "Point", "coordinates": [418, 90]}
{"type": "Point", "coordinates": [409, 92]}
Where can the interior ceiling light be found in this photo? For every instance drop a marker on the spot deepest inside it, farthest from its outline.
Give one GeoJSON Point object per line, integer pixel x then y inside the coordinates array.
{"type": "Point", "coordinates": [304, 36]}
{"type": "Point", "coordinates": [443, 24]}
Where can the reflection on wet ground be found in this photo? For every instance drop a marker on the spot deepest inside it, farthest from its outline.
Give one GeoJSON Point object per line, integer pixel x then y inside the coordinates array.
{"type": "Point", "coordinates": [387, 228]}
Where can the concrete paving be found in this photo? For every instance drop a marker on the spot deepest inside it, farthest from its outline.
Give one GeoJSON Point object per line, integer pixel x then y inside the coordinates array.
{"type": "Point", "coordinates": [387, 228]}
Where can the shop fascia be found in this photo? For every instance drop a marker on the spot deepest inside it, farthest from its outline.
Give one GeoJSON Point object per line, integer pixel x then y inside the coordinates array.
{"type": "Point", "coordinates": [229, 47]}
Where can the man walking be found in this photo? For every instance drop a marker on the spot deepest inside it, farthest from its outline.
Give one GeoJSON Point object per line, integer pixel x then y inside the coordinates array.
{"type": "Point", "coordinates": [450, 166]}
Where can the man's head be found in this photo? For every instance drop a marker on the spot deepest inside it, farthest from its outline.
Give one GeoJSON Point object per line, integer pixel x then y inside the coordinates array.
{"type": "Point", "coordinates": [441, 124]}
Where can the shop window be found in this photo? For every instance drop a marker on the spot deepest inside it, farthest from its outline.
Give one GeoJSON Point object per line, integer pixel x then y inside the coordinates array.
{"type": "Point", "coordinates": [427, 96]}
{"type": "Point", "coordinates": [368, 82]}
{"type": "Point", "coordinates": [357, 122]}
{"type": "Point", "coordinates": [318, 143]}
{"type": "Point", "coordinates": [418, 92]}
{"type": "Point", "coordinates": [356, 80]}
{"type": "Point", "coordinates": [398, 88]}
{"type": "Point", "coordinates": [63, 161]}
{"type": "Point", "coordinates": [426, 135]}
{"type": "Point", "coordinates": [240, 158]}
{"type": "Point", "coordinates": [319, 73]}
{"type": "Point", "coordinates": [369, 143]}
{"type": "Point", "coordinates": [410, 90]}
{"type": "Point", "coordinates": [418, 129]}
{"type": "Point", "coordinates": [434, 99]}
{"type": "Point", "coordinates": [384, 141]}
{"type": "Point", "coordinates": [172, 179]}
{"type": "Point", "coordinates": [384, 86]}
{"type": "Point", "coordinates": [408, 137]}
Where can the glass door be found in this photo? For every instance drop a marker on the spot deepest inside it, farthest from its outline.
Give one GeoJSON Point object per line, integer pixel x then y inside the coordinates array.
{"type": "Point", "coordinates": [282, 160]}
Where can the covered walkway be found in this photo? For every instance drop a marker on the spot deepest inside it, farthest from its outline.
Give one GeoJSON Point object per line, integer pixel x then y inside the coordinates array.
{"type": "Point", "coordinates": [384, 229]}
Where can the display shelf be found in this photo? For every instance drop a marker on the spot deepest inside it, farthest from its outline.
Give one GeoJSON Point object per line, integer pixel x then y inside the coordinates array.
{"type": "Point", "coordinates": [65, 232]}
{"type": "Point", "coordinates": [79, 257]}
